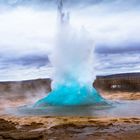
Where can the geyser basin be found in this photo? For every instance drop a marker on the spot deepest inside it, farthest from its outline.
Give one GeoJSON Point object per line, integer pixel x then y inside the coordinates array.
{"type": "Point", "coordinates": [72, 94]}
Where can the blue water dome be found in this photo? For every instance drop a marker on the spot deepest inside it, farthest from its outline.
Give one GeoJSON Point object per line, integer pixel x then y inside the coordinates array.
{"type": "Point", "coordinates": [72, 94]}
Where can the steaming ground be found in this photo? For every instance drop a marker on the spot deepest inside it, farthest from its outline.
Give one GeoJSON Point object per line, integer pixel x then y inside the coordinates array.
{"type": "Point", "coordinates": [15, 96]}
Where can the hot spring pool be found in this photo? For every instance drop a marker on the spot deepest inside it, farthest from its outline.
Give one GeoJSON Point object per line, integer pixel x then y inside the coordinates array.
{"type": "Point", "coordinates": [119, 108]}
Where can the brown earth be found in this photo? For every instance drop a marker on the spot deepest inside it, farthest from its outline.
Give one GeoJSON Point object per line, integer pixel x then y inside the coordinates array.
{"type": "Point", "coordinates": [121, 95]}
{"type": "Point", "coordinates": [69, 128]}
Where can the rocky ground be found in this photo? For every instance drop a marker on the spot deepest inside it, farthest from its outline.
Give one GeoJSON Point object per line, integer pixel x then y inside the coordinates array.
{"type": "Point", "coordinates": [69, 128]}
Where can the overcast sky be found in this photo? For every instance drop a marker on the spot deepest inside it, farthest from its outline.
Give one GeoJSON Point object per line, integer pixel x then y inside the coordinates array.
{"type": "Point", "coordinates": [27, 30]}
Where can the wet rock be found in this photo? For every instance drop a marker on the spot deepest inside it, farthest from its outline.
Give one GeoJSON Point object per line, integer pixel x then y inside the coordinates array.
{"type": "Point", "coordinates": [31, 126]}
{"type": "Point", "coordinates": [22, 135]}
{"type": "Point", "coordinates": [6, 125]}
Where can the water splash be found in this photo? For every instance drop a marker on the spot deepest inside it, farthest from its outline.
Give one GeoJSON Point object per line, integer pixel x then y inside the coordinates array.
{"type": "Point", "coordinates": [72, 59]}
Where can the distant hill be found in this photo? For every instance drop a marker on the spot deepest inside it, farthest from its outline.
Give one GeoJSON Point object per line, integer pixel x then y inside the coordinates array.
{"type": "Point", "coordinates": [119, 82]}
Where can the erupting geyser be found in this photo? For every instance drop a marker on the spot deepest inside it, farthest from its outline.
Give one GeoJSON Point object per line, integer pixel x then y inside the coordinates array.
{"type": "Point", "coordinates": [72, 60]}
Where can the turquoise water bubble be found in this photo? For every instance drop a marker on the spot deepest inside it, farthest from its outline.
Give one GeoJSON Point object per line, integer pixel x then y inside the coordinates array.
{"type": "Point", "coordinates": [71, 94]}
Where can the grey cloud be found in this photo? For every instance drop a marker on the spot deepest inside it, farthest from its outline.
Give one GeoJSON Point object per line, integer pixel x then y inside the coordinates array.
{"type": "Point", "coordinates": [32, 60]}
{"type": "Point", "coordinates": [115, 3]}
{"type": "Point", "coordinates": [118, 48]}
{"type": "Point", "coordinates": [118, 63]}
